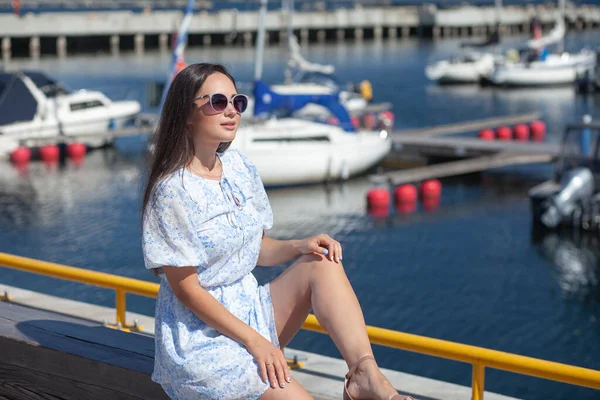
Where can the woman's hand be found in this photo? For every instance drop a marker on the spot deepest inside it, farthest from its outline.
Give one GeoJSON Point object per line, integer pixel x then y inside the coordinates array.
{"type": "Point", "coordinates": [322, 244]}
{"type": "Point", "coordinates": [270, 359]}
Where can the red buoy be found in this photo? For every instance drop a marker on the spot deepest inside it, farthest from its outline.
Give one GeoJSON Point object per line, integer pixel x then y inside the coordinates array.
{"type": "Point", "coordinates": [431, 188]}
{"type": "Point", "coordinates": [379, 212]}
{"type": "Point", "coordinates": [538, 130]}
{"type": "Point", "coordinates": [405, 194]}
{"type": "Point", "coordinates": [503, 133]}
{"type": "Point", "coordinates": [378, 198]}
{"type": "Point", "coordinates": [521, 132]}
{"type": "Point", "coordinates": [387, 119]}
{"type": "Point", "coordinates": [406, 208]}
{"type": "Point", "coordinates": [368, 121]}
{"type": "Point", "coordinates": [21, 155]}
{"type": "Point", "coordinates": [486, 134]}
{"type": "Point", "coordinates": [431, 204]}
{"type": "Point", "coordinates": [76, 151]}
{"type": "Point", "coordinates": [355, 122]}
{"type": "Point", "coordinates": [50, 154]}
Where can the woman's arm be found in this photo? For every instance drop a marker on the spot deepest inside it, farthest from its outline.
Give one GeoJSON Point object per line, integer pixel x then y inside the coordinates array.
{"type": "Point", "coordinates": [185, 286]}
{"type": "Point", "coordinates": [275, 252]}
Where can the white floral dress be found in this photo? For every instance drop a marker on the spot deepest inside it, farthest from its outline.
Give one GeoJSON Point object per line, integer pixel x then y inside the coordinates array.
{"type": "Point", "coordinates": [216, 226]}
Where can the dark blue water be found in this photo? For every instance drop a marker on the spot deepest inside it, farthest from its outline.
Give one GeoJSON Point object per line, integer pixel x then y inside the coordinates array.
{"type": "Point", "coordinates": [470, 271]}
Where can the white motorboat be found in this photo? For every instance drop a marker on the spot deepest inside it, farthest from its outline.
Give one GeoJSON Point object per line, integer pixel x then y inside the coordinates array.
{"type": "Point", "coordinates": [34, 106]}
{"type": "Point", "coordinates": [555, 69]}
{"type": "Point", "coordinates": [470, 67]}
{"type": "Point", "coordinates": [291, 151]}
{"type": "Point", "coordinates": [535, 67]}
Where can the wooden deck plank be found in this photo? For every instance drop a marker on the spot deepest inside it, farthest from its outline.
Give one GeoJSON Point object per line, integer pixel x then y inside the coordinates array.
{"type": "Point", "coordinates": [47, 355]}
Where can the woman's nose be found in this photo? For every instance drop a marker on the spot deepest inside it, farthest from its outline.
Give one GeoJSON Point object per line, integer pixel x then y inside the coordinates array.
{"type": "Point", "coordinates": [230, 110]}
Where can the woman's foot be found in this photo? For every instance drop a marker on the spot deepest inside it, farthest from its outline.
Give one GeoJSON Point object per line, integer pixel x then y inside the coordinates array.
{"type": "Point", "coordinates": [365, 381]}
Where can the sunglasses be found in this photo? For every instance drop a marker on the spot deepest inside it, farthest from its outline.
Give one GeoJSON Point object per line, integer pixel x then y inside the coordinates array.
{"type": "Point", "coordinates": [219, 101]}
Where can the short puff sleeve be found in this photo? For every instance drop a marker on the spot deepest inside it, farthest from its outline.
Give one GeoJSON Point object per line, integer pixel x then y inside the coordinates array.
{"type": "Point", "coordinates": [168, 236]}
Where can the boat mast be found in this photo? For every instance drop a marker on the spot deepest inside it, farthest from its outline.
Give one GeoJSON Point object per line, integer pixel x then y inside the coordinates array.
{"type": "Point", "coordinates": [260, 41]}
{"type": "Point", "coordinates": [288, 5]}
{"type": "Point", "coordinates": [498, 7]}
{"type": "Point", "coordinates": [561, 8]}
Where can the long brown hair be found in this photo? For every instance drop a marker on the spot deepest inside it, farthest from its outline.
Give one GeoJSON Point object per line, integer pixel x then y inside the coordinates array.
{"type": "Point", "coordinates": [173, 144]}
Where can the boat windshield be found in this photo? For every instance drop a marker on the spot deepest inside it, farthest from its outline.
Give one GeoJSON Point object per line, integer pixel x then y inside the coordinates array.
{"type": "Point", "coordinates": [50, 87]}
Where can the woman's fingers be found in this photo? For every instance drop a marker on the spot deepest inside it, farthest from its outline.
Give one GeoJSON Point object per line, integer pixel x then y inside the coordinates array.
{"type": "Point", "coordinates": [286, 371]}
{"type": "Point", "coordinates": [281, 367]}
{"type": "Point", "coordinates": [272, 375]}
{"type": "Point", "coordinates": [263, 372]}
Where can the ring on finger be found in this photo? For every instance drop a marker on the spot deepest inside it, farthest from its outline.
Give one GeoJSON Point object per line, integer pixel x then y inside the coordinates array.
{"type": "Point", "coordinates": [269, 364]}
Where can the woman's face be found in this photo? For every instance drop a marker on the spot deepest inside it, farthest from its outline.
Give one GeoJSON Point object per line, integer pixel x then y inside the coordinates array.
{"type": "Point", "coordinates": [207, 125]}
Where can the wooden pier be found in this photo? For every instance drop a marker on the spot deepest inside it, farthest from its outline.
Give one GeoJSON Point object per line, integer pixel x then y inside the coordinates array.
{"type": "Point", "coordinates": [468, 154]}
{"type": "Point", "coordinates": [469, 126]}
{"type": "Point", "coordinates": [461, 147]}
{"type": "Point", "coordinates": [461, 167]}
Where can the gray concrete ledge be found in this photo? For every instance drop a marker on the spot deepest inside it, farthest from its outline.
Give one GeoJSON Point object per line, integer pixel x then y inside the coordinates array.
{"type": "Point", "coordinates": [322, 376]}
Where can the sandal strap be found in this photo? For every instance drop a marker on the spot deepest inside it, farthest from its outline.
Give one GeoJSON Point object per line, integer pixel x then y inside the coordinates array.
{"type": "Point", "coordinates": [355, 366]}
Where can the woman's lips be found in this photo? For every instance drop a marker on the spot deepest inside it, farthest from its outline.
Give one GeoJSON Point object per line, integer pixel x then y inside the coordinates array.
{"type": "Point", "coordinates": [229, 126]}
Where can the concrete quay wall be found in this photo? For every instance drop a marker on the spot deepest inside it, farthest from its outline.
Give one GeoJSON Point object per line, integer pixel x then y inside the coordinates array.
{"type": "Point", "coordinates": [62, 33]}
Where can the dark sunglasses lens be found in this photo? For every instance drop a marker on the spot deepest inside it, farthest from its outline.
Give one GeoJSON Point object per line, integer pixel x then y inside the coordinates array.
{"type": "Point", "coordinates": [240, 103]}
{"type": "Point", "coordinates": [219, 102]}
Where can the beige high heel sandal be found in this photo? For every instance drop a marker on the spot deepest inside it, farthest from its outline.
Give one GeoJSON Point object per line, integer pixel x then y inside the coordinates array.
{"type": "Point", "coordinates": [353, 370]}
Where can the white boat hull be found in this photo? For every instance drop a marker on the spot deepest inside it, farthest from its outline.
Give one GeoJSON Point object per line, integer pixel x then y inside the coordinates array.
{"type": "Point", "coordinates": [87, 116]}
{"type": "Point", "coordinates": [556, 70]}
{"type": "Point", "coordinates": [315, 157]}
{"type": "Point", "coordinates": [456, 71]}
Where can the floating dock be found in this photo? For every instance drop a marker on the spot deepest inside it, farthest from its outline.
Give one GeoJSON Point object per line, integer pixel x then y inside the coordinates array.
{"type": "Point", "coordinates": [52, 329]}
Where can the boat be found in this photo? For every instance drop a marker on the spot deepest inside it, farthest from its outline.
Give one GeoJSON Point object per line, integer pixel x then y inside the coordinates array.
{"type": "Point", "coordinates": [34, 106]}
{"type": "Point", "coordinates": [554, 69]}
{"type": "Point", "coordinates": [535, 66]}
{"type": "Point", "coordinates": [293, 151]}
{"type": "Point", "coordinates": [572, 198]}
{"type": "Point", "coordinates": [305, 77]}
{"type": "Point", "coordinates": [470, 67]}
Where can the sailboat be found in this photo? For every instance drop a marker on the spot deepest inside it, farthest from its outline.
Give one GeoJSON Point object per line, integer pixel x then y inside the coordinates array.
{"type": "Point", "coordinates": [303, 76]}
{"type": "Point", "coordinates": [536, 67]}
{"type": "Point", "coordinates": [292, 151]}
{"type": "Point", "coordinates": [471, 66]}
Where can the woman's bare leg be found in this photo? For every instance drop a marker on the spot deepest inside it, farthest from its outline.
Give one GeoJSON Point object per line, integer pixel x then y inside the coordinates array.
{"type": "Point", "coordinates": [315, 282]}
{"type": "Point", "coordinates": [292, 390]}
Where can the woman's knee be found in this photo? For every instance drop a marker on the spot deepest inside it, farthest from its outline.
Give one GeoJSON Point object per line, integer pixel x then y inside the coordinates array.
{"type": "Point", "coordinates": [320, 265]}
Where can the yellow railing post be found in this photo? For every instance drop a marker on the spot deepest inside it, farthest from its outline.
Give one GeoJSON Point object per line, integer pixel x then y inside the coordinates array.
{"type": "Point", "coordinates": [120, 303]}
{"type": "Point", "coordinates": [478, 381]}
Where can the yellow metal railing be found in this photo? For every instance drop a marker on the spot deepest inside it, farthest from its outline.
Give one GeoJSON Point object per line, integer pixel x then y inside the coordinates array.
{"type": "Point", "coordinates": [479, 357]}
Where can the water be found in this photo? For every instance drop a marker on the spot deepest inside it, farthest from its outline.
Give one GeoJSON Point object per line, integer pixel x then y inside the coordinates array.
{"type": "Point", "coordinates": [470, 271]}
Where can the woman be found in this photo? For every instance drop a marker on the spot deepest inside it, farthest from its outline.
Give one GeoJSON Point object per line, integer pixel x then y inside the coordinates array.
{"type": "Point", "coordinates": [205, 212]}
